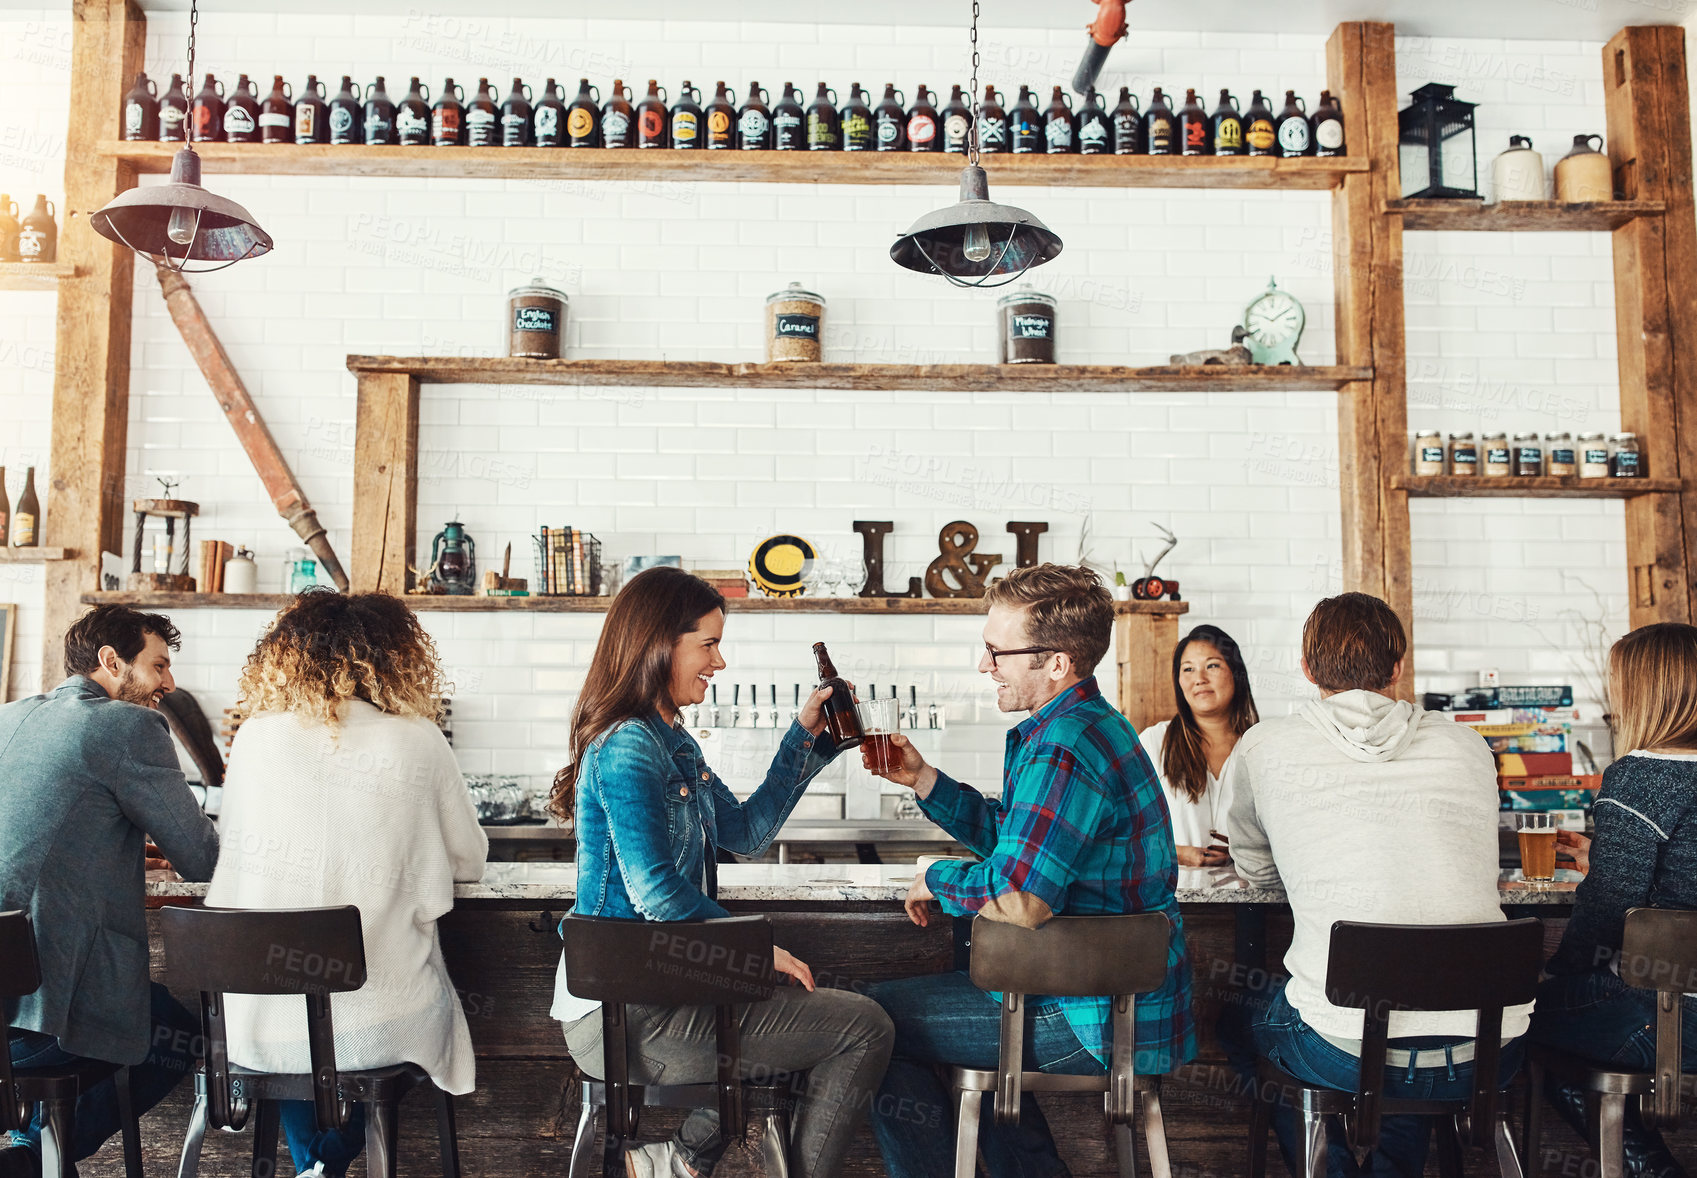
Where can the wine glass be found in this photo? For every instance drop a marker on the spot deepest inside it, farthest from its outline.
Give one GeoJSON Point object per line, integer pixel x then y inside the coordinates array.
{"type": "Point", "coordinates": [854, 573]}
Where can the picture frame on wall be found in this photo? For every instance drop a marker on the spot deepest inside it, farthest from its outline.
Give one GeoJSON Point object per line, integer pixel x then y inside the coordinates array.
{"type": "Point", "coordinates": [8, 626]}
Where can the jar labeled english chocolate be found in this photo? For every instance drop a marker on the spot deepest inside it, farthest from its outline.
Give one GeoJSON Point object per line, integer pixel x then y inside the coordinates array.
{"type": "Point", "coordinates": [795, 322]}
{"type": "Point", "coordinates": [1026, 332]}
{"type": "Point", "coordinates": [1428, 453]}
{"type": "Point", "coordinates": [1558, 449]}
{"type": "Point", "coordinates": [1499, 461]}
{"type": "Point", "coordinates": [1593, 456]}
{"type": "Point", "coordinates": [536, 321]}
{"type": "Point", "coordinates": [1464, 456]}
{"type": "Point", "coordinates": [1528, 456]}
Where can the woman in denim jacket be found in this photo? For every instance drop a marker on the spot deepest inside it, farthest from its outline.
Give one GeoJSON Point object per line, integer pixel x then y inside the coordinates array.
{"type": "Point", "coordinates": [650, 815]}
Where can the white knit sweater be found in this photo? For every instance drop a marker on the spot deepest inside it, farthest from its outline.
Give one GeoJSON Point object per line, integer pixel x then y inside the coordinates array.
{"type": "Point", "coordinates": [376, 815]}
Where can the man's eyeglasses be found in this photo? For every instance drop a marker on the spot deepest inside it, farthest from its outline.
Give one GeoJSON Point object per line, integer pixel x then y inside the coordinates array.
{"type": "Point", "coordinates": [1002, 654]}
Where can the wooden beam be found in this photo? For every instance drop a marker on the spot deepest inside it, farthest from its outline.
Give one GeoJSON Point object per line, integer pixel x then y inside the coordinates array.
{"type": "Point", "coordinates": [385, 524]}
{"type": "Point", "coordinates": [85, 510]}
{"type": "Point", "coordinates": [1649, 138]}
{"type": "Point", "coordinates": [1143, 657]}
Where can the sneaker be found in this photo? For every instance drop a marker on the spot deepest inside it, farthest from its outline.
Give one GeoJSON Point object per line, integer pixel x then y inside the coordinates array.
{"type": "Point", "coordinates": [317, 1171]}
{"type": "Point", "coordinates": [660, 1160]}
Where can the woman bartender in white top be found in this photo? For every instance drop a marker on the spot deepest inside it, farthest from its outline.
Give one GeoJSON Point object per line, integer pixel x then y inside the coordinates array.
{"type": "Point", "coordinates": [1215, 708]}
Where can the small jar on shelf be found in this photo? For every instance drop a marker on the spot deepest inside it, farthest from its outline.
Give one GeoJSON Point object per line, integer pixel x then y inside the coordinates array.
{"type": "Point", "coordinates": [1428, 453]}
{"type": "Point", "coordinates": [1559, 457]}
{"type": "Point", "coordinates": [1593, 456]}
{"type": "Point", "coordinates": [1528, 456]}
{"type": "Point", "coordinates": [1624, 461]}
{"type": "Point", "coordinates": [1464, 456]}
{"type": "Point", "coordinates": [1498, 460]}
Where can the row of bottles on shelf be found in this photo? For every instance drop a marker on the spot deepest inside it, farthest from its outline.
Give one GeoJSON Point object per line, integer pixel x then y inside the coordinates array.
{"type": "Point", "coordinates": [33, 239]}
{"type": "Point", "coordinates": [21, 528]}
{"type": "Point", "coordinates": [370, 117]}
{"type": "Point", "coordinates": [712, 714]}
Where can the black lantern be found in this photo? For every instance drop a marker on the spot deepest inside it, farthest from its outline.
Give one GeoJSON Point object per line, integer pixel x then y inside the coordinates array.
{"type": "Point", "coordinates": [1435, 148]}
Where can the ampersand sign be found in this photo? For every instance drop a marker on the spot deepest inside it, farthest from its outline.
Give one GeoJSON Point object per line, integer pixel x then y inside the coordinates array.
{"type": "Point", "coordinates": [956, 543]}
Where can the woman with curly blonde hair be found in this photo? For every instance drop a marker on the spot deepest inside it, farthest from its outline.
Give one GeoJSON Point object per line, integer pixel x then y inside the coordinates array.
{"type": "Point", "coordinates": [342, 790]}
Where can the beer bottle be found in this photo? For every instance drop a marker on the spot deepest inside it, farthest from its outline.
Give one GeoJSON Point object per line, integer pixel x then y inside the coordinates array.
{"type": "Point", "coordinates": [1128, 124]}
{"type": "Point", "coordinates": [789, 122]}
{"type": "Point", "coordinates": [1328, 126]}
{"type": "Point", "coordinates": [992, 123]}
{"type": "Point", "coordinates": [9, 228]}
{"type": "Point", "coordinates": [174, 112]}
{"type": "Point", "coordinates": [1258, 132]}
{"type": "Point", "coordinates": [141, 112]}
{"type": "Point", "coordinates": [754, 121]}
{"type": "Point", "coordinates": [890, 119]}
{"type": "Point", "coordinates": [342, 120]}
{"type": "Point", "coordinates": [1025, 125]}
{"type": "Point", "coordinates": [686, 118]}
{"type": "Point", "coordinates": [482, 118]}
{"type": "Point", "coordinates": [206, 122]}
{"type": "Point", "coordinates": [241, 113]}
{"type": "Point", "coordinates": [1160, 132]}
{"type": "Point", "coordinates": [377, 120]}
{"type": "Point", "coordinates": [842, 722]}
{"type": "Point", "coordinates": [38, 240]}
{"type": "Point", "coordinates": [312, 123]}
{"type": "Point", "coordinates": [957, 122]}
{"type": "Point", "coordinates": [618, 118]}
{"type": "Point", "coordinates": [922, 123]}
{"type": "Point", "coordinates": [26, 524]}
{"type": "Point", "coordinates": [824, 129]}
{"type": "Point", "coordinates": [412, 117]}
{"type": "Point", "coordinates": [651, 118]}
{"type": "Point", "coordinates": [721, 113]}
{"type": "Point", "coordinates": [447, 117]}
{"type": "Point", "coordinates": [1195, 134]}
{"type": "Point", "coordinates": [550, 117]}
{"type": "Point", "coordinates": [1058, 132]}
{"type": "Point", "coordinates": [5, 509]}
{"type": "Point", "coordinates": [857, 122]}
{"type": "Point", "coordinates": [516, 115]}
{"type": "Point", "coordinates": [1292, 128]}
{"type": "Point", "coordinates": [1228, 126]}
{"type": "Point", "coordinates": [1095, 127]}
{"type": "Point", "coordinates": [583, 117]}
{"type": "Point", "coordinates": [277, 113]}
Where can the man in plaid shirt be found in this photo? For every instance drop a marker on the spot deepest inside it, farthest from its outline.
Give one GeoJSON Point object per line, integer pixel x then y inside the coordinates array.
{"type": "Point", "coordinates": [1081, 829]}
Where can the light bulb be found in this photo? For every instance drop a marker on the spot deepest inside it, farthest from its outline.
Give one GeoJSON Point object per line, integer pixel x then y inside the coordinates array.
{"type": "Point", "coordinates": [181, 226]}
{"type": "Point", "coordinates": [976, 247]}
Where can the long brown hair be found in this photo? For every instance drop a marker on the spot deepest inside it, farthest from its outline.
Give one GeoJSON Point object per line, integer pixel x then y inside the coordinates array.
{"type": "Point", "coordinates": [1184, 752]}
{"type": "Point", "coordinates": [1653, 688]}
{"type": "Point", "coordinates": [631, 671]}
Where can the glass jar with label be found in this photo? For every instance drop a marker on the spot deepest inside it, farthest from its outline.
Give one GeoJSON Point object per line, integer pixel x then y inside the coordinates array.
{"type": "Point", "coordinates": [1559, 456]}
{"type": "Point", "coordinates": [1593, 456]}
{"type": "Point", "coordinates": [795, 319]}
{"type": "Point", "coordinates": [1428, 453]}
{"type": "Point", "coordinates": [1499, 462]}
{"type": "Point", "coordinates": [1528, 456]}
{"type": "Point", "coordinates": [1624, 462]}
{"type": "Point", "coordinates": [536, 321]}
{"type": "Point", "coordinates": [1027, 327]}
{"type": "Point", "coordinates": [1464, 455]}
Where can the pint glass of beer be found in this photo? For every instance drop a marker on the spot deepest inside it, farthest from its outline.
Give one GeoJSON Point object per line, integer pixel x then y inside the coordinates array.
{"type": "Point", "coordinates": [1537, 847]}
{"type": "Point", "coordinates": [878, 721]}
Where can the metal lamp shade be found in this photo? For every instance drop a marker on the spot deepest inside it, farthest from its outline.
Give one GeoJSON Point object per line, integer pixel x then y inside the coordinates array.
{"type": "Point", "coordinates": [225, 233]}
{"type": "Point", "coordinates": [936, 243]}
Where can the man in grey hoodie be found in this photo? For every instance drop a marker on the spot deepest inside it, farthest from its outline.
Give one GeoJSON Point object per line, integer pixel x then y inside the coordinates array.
{"type": "Point", "coordinates": [1365, 808]}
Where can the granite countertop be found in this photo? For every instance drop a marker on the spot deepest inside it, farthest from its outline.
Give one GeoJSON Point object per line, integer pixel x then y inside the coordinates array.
{"type": "Point", "coordinates": [827, 882]}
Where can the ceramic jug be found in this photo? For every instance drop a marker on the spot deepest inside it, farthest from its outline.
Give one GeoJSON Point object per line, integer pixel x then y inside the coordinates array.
{"type": "Point", "coordinates": [1518, 173]}
{"type": "Point", "coordinates": [1585, 173]}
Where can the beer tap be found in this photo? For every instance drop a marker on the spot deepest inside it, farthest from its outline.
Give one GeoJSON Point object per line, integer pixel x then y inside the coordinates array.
{"type": "Point", "coordinates": [774, 705]}
{"type": "Point", "coordinates": [912, 707]}
{"type": "Point", "coordinates": [795, 709]}
{"type": "Point", "coordinates": [736, 703]}
{"type": "Point", "coordinates": [695, 715]}
{"type": "Point", "coordinates": [931, 719]}
{"type": "Point", "coordinates": [714, 710]}
{"type": "Point", "coordinates": [754, 705]}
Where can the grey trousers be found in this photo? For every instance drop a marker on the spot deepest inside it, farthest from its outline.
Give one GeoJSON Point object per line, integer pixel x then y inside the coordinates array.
{"type": "Point", "coordinates": [841, 1040]}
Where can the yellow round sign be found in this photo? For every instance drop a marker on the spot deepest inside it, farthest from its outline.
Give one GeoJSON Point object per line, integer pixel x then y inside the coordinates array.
{"type": "Point", "coordinates": [780, 565]}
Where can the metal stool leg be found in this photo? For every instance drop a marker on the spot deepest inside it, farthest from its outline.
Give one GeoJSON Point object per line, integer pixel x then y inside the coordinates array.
{"type": "Point", "coordinates": [189, 1165]}
{"type": "Point", "coordinates": [1531, 1145]}
{"type": "Point", "coordinates": [775, 1144]}
{"type": "Point", "coordinates": [583, 1144]}
{"type": "Point", "coordinates": [1314, 1133]}
{"type": "Point", "coordinates": [447, 1134]}
{"type": "Point", "coordinates": [1125, 1151]}
{"type": "Point", "coordinates": [58, 1119]}
{"type": "Point", "coordinates": [1611, 1137]}
{"type": "Point", "coordinates": [381, 1131]}
{"type": "Point", "coordinates": [128, 1125]}
{"type": "Point", "coordinates": [966, 1134]}
{"type": "Point", "coordinates": [265, 1119]}
{"type": "Point", "coordinates": [1449, 1148]}
{"type": "Point", "coordinates": [1155, 1134]}
{"type": "Point", "coordinates": [1508, 1163]}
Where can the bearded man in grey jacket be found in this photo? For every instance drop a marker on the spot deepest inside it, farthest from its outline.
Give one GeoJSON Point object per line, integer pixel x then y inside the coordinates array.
{"type": "Point", "coordinates": [87, 773]}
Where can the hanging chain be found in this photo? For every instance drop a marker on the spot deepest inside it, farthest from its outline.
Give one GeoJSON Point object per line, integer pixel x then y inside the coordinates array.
{"type": "Point", "coordinates": [972, 131]}
{"type": "Point", "coordinates": [194, 19]}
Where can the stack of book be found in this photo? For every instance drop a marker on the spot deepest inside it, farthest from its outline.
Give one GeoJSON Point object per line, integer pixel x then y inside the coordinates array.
{"type": "Point", "coordinates": [568, 562]}
{"type": "Point", "coordinates": [729, 582]}
{"type": "Point", "coordinates": [1534, 750]}
{"type": "Point", "coordinates": [213, 554]}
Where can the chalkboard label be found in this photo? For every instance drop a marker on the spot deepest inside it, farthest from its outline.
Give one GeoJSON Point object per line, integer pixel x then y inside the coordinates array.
{"type": "Point", "coordinates": [1030, 326]}
{"type": "Point", "coordinates": [797, 325]}
{"type": "Point", "coordinates": [534, 319]}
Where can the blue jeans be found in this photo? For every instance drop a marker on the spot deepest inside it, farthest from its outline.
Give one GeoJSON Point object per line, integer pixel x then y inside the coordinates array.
{"type": "Point", "coordinates": [1281, 1036]}
{"type": "Point", "coordinates": [309, 1145]}
{"type": "Point", "coordinates": [945, 1019]}
{"type": "Point", "coordinates": [1600, 1017]}
{"type": "Point", "coordinates": [170, 1058]}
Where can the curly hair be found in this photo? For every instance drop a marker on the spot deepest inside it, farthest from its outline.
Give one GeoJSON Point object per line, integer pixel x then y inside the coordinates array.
{"type": "Point", "coordinates": [326, 647]}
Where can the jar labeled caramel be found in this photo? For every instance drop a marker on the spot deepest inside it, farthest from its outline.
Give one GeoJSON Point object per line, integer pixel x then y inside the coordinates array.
{"type": "Point", "coordinates": [1464, 456]}
{"type": "Point", "coordinates": [795, 319]}
{"type": "Point", "coordinates": [536, 321]}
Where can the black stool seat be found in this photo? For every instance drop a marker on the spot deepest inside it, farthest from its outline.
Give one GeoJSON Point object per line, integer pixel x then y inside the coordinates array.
{"type": "Point", "coordinates": [1336, 1101]}
{"type": "Point", "coordinates": [1611, 1081]}
{"type": "Point", "coordinates": [389, 1083]}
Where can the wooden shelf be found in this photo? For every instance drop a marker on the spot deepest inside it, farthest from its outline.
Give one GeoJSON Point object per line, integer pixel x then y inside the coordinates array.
{"type": "Point", "coordinates": [777, 167]}
{"type": "Point", "coordinates": [1541, 215]}
{"type": "Point", "coordinates": [599, 605]}
{"type": "Point", "coordinates": [1477, 486]}
{"type": "Point", "coordinates": [1030, 378]}
{"type": "Point", "coordinates": [9, 555]}
{"type": "Point", "coordinates": [34, 275]}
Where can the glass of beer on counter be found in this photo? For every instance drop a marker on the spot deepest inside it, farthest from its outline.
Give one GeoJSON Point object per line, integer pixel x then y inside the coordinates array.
{"type": "Point", "coordinates": [878, 721]}
{"type": "Point", "coordinates": [1537, 847]}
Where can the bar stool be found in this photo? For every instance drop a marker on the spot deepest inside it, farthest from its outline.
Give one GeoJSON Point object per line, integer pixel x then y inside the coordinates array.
{"type": "Point", "coordinates": [314, 953]}
{"type": "Point", "coordinates": [722, 963]}
{"type": "Point", "coordinates": [1380, 968]}
{"type": "Point", "coordinates": [56, 1089]}
{"type": "Point", "coordinates": [1658, 952]}
{"type": "Point", "coordinates": [1070, 956]}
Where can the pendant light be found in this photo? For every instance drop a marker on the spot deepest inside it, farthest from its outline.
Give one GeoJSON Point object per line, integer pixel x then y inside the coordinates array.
{"type": "Point", "coordinates": [976, 240]}
{"type": "Point", "coordinates": [179, 223]}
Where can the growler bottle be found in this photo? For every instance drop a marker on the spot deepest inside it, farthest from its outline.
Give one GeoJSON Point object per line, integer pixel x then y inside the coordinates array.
{"type": "Point", "coordinates": [789, 122]}
{"type": "Point", "coordinates": [311, 113]}
{"type": "Point", "coordinates": [174, 112]}
{"type": "Point", "coordinates": [241, 113]}
{"type": "Point", "coordinates": [1128, 124]}
{"type": "Point", "coordinates": [377, 120]}
{"type": "Point", "coordinates": [482, 118]}
{"type": "Point", "coordinates": [1095, 127]}
{"type": "Point", "coordinates": [141, 112]}
{"type": "Point", "coordinates": [9, 228]}
{"type": "Point", "coordinates": [342, 120]}
{"type": "Point", "coordinates": [1058, 131]}
{"type": "Point", "coordinates": [1259, 136]}
{"type": "Point", "coordinates": [754, 121]}
{"type": "Point", "coordinates": [206, 119]}
{"type": "Point", "coordinates": [26, 521]}
{"type": "Point", "coordinates": [992, 123]}
{"type": "Point", "coordinates": [1328, 126]}
{"type": "Point", "coordinates": [685, 120]}
{"type": "Point", "coordinates": [38, 241]}
{"type": "Point", "coordinates": [447, 117]}
{"type": "Point", "coordinates": [412, 117]}
{"type": "Point", "coordinates": [5, 510]}
{"type": "Point", "coordinates": [824, 129]}
{"type": "Point", "coordinates": [583, 117]}
{"type": "Point", "coordinates": [550, 117]}
{"type": "Point", "coordinates": [890, 120]}
{"type": "Point", "coordinates": [1228, 126]}
{"type": "Point", "coordinates": [1195, 132]}
{"type": "Point", "coordinates": [856, 121]}
{"type": "Point", "coordinates": [1292, 128]}
{"type": "Point", "coordinates": [1160, 134]}
{"type": "Point", "coordinates": [721, 114]}
{"type": "Point", "coordinates": [651, 118]}
{"type": "Point", "coordinates": [516, 114]}
{"type": "Point", "coordinates": [922, 123]}
{"type": "Point", "coordinates": [618, 118]}
{"type": "Point", "coordinates": [277, 113]}
{"type": "Point", "coordinates": [957, 122]}
{"type": "Point", "coordinates": [842, 722]}
{"type": "Point", "coordinates": [1025, 125]}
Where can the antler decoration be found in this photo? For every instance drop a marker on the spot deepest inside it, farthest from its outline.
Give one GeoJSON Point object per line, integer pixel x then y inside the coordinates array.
{"type": "Point", "coordinates": [1172, 542]}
